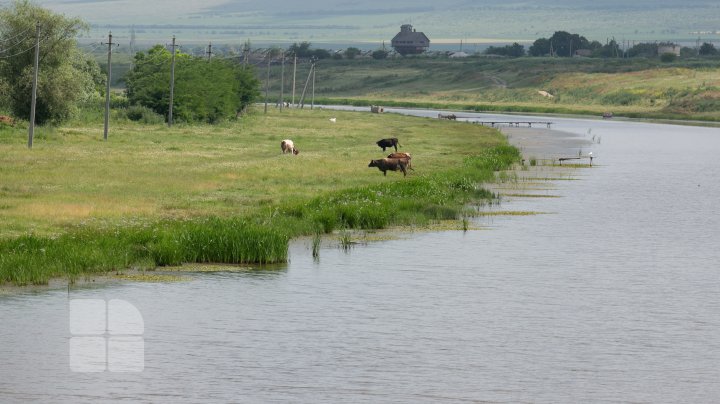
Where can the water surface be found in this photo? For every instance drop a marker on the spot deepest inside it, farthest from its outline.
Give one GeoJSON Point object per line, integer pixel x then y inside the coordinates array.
{"type": "Point", "coordinates": [614, 296]}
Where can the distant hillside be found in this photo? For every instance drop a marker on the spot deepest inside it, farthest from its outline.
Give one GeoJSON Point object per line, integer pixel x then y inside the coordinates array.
{"type": "Point", "coordinates": [688, 89]}
{"type": "Point", "coordinates": [374, 20]}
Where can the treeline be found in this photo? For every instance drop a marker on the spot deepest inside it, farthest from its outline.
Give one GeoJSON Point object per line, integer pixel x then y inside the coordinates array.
{"type": "Point", "coordinates": [565, 44]}
{"type": "Point", "coordinates": [303, 50]}
{"type": "Point", "coordinates": [69, 79]}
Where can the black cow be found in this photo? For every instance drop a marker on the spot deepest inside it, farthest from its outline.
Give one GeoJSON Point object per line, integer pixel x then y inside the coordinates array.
{"type": "Point", "coordinates": [390, 164]}
{"type": "Point", "coordinates": [391, 142]}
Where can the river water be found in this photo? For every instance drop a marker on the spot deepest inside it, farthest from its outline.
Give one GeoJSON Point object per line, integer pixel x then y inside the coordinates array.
{"type": "Point", "coordinates": [613, 295]}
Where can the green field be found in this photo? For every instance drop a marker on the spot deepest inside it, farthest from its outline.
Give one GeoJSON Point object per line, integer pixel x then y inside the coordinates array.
{"type": "Point", "coordinates": [688, 89]}
{"type": "Point", "coordinates": [153, 195]}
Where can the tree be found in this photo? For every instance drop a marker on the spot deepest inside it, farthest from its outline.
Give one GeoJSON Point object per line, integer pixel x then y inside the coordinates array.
{"type": "Point", "coordinates": [380, 54]}
{"type": "Point", "coordinates": [668, 57]}
{"type": "Point", "coordinates": [541, 47]}
{"type": "Point", "coordinates": [352, 52]}
{"type": "Point", "coordinates": [205, 90]}
{"type": "Point", "coordinates": [565, 44]}
{"type": "Point", "coordinates": [707, 49]}
{"type": "Point", "coordinates": [562, 43]}
{"type": "Point", "coordinates": [321, 54]}
{"type": "Point", "coordinates": [643, 49]}
{"type": "Point", "coordinates": [610, 50]}
{"type": "Point", "coordinates": [66, 77]}
{"type": "Point", "coordinates": [514, 50]}
{"type": "Point", "coordinates": [301, 50]}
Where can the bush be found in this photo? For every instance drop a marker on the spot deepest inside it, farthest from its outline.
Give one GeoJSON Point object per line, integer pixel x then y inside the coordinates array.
{"type": "Point", "coordinates": [668, 57]}
{"type": "Point", "coordinates": [138, 113]}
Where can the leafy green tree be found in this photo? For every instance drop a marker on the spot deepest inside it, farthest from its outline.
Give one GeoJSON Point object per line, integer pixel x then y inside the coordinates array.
{"type": "Point", "coordinates": [610, 50]}
{"type": "Point", "coordinates": [565, 44]}
{"type": "Point", "coordinates": [380, 54]}
{"type": "Point", "coordinates": [321, 54]}
{"type": "Point", "coordinates": [541, 47]}
{"type": "Point", "coordinates": [66, 77]}
{"type": "Point", "coordinates": [562, 44]}
{"type": "Point", "coordinates": [707, 49]}
{"type": "Point", "coordinates": [668, 57]}
{"type": "Point", "coordinates": [301, 50]}
{"type": "Point", "coordinates": [643, 49]}
{"type": "Point", "coordinates": [352, 53]}
{"type": "Point", "coordinates": [205, 91]}
{"type": "Point", "coordinates": [515, 50]}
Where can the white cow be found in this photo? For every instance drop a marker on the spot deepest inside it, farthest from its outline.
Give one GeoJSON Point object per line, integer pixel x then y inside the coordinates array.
{"type": "Point", "coordinates": [287, 146]}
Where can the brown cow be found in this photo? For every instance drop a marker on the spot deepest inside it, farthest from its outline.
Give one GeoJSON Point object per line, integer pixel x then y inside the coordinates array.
{"type": "Point", "coordinates": [390, 164]}
{"type": "Point", "coordinates": [404, 156]}
{"type": "Point", "coordinates": [7, 120]}
{"type": "Point", "coordinates": [287, 146]}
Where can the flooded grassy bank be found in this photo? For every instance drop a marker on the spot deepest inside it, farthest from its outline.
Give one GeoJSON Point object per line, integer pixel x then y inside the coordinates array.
{"type": "Point", "coordinates": [257, 230]}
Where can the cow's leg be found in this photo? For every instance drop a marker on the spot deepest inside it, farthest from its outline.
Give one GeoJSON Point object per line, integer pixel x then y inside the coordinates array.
{"type": "Point", "coordinates": [385, 173]}
{"type": "Point", "coordinates": [395, 148]}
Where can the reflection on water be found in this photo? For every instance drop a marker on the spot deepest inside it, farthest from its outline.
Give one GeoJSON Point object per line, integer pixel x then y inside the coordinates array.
{"type": "Point", "coordinates": [613, 296]}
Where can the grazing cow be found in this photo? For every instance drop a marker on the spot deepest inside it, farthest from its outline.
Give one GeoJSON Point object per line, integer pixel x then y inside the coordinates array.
{"type": "Point", "coordinates": [390, 164]}
{"type": "Point", "coordinates": [288, 146]}
{"type": "Point", "coordinates": [391, 142]}
{"type": "Point", "coordinates": [7, 120]}
{"type": "Point", "coordinates": [404, 156]}
{"type": "Point", "coordinates": [333, 120]}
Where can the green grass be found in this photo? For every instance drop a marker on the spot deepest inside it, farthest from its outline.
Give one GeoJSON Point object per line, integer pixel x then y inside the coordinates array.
{"type": "Point", "coordinates": [152, 196]}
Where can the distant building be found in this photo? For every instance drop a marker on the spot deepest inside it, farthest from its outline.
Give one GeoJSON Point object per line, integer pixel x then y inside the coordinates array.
{"type": "Point", "coordinates": [663, 49]}
{"type": "Point", "coordinates": [583, 53]}
{"type": "Point", "coordinates": [410, 42]}
{"type": "Point", "coordinates": [460, 54]}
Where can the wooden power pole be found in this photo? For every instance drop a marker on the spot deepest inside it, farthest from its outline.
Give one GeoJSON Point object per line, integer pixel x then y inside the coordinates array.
{"type": "Point", "coordinates": [267, 81]}
{"type": "Point", "coordinates": [302, 97]}
{"type": "Point", "coordinates": [294, 71]}
{"type": "Point", "coordinates": [31, 131]}
{"type": "Point", "coordinates": [107, 87]}
{"type": "Point", "coordinates": [312, 100]}
{"type": "Point", "coordinates": [282, 82]}
{"type": "Point", "coordinates": [172, 82]}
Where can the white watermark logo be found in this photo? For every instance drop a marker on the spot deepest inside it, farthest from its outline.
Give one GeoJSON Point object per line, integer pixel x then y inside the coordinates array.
{"type": "Point", "coordinates": [106, 336]}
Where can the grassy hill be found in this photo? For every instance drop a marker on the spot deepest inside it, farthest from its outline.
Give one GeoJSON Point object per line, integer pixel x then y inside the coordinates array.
{"type": "Point", "coordinates": [688, 89]}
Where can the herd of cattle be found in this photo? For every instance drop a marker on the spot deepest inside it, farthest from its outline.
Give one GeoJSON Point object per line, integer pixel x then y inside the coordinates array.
{"type": "Point", "coordinates": [398, 161]}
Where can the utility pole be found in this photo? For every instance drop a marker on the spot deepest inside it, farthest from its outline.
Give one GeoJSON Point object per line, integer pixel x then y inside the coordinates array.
{"type": "Point", "coordinates": [107, 88]}
{"type": "Point", "coordinates": [172, 83]}
{"type": "Point", "coordinates": [31, 131]}
{"type": "Point", "coordinates": [302, 97]}
{"type": "Point", "coordinates": [282, 82]}
{"type": "Point", "coordinates": [312, 100]}
{"type": "Point", "coordinates": [209, 52]}
{"type": "Point", "coordinates": [132, 40]}
{"type": "Point", "coordinates": [294, 71]}
{"type": "Point", "coordinates": [267, 81]}
{"type": "Point", "coordinates": [246, 52]}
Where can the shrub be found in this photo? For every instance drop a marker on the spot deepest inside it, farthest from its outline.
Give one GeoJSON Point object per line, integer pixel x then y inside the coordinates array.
{"type": "Point", "coordinates": [138, 113]}
{"type": "Point", "coordinates": [668, 57]}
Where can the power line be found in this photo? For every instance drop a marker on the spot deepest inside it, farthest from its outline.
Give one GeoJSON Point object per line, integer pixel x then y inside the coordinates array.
{"type": "Point", "coordinates": [19, 53]}
{"type": "Point", "coordinates": [17, 35]}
